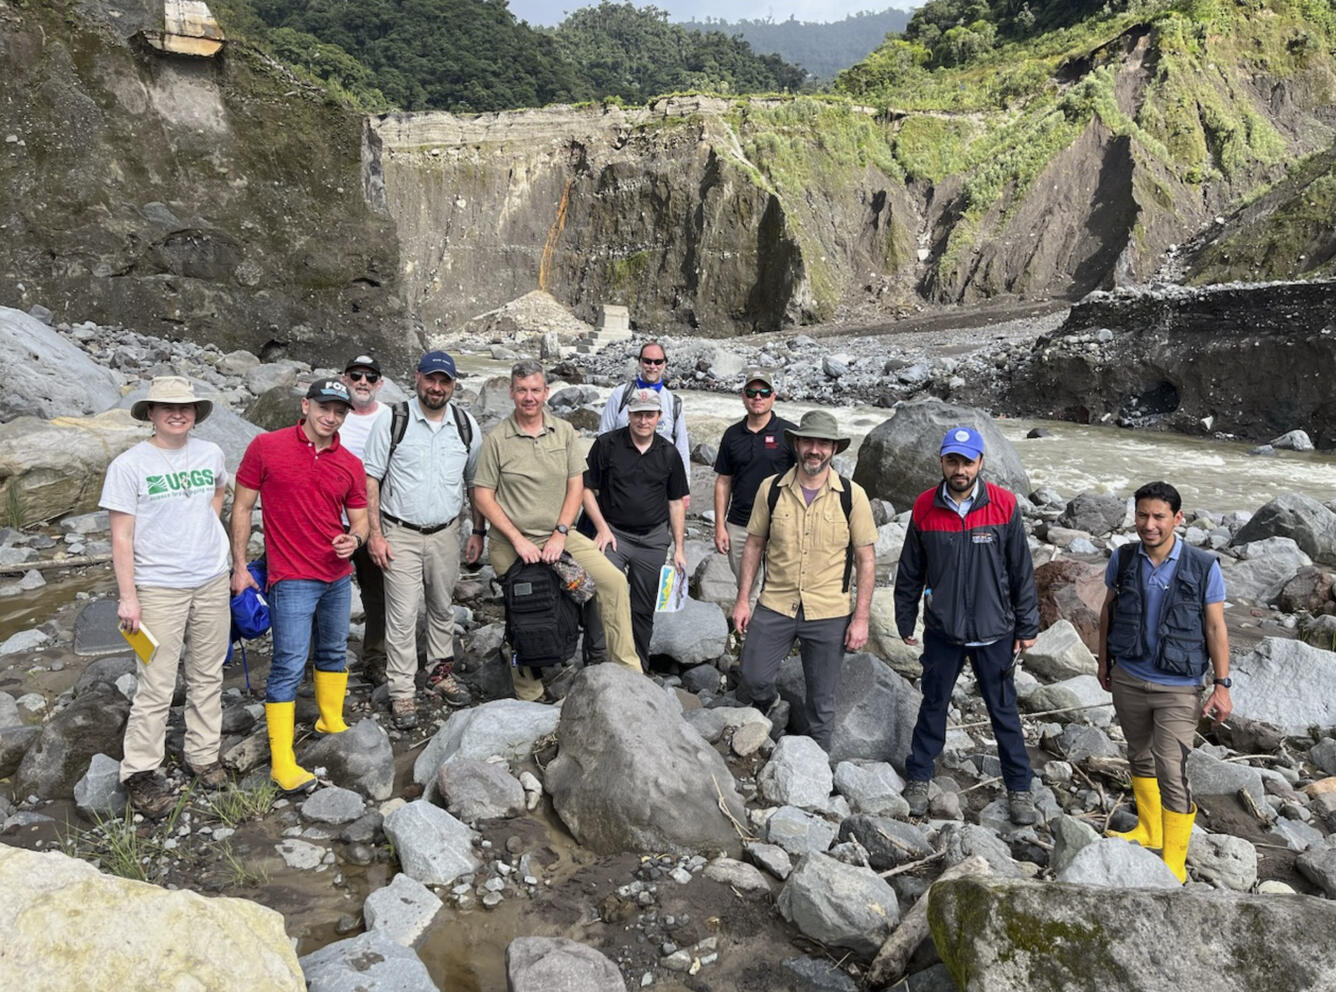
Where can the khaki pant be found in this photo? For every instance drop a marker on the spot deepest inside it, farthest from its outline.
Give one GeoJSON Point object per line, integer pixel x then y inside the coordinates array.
{"type": "Point", "coordinates": [1159, 722]}
{"type": "Point", "coordinates": [614, 603]}
{"type": "Point", "coordinates": [169, 614]}
{"type": "Point", "coordinates": [737, 540]}
{"type": "Point", "coordinates": [424, 566]}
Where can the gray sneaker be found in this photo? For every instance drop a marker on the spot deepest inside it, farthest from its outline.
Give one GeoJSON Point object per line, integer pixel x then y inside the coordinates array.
{"type": "Point", "coordinates": [916, 794]}
{"type": "Point", "coordinates": [1021, 805]}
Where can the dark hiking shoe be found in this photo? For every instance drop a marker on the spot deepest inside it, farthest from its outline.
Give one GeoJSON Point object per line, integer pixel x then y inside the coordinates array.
{"type": "Point", "coordinates": [916, 794]}
{"type": "Point", "coordinates": [150, 794]}
{"type": "Point", "coordinates": [403, 713]}
{"type": "Point", "coordinates": [443, 682]}
{"type": "Point", "coordinates": [211, 777]}
{"type": "Point", "coordinates": [1021, 806]}
{"type": "Point", "coordinates": [373, 674]}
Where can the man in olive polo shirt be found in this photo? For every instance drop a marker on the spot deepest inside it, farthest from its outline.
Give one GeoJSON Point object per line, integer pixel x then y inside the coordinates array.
{"type": "Point", "coordinates": [810, 548]}
{"type": "Point", "coordinates": [529, 485]}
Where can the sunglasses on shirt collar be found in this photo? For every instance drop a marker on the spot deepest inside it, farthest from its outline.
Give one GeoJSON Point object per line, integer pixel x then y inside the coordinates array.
{"type": "Point", "coordinates": [758, 393]}
{"type": "Point", "coordinates": [359, 376]}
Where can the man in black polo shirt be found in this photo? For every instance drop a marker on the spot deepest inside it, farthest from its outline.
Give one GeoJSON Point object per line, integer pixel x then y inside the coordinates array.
{"type": "Point", "coordinates": [635, 484]}
{"type": "Point", "coordinates": [751, 451]}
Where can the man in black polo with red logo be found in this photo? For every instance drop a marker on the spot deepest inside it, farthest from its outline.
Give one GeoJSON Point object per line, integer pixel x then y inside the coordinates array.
{"type": "Point", "coordinates": [966, 547]}
{"type": "Point", "coordinates": [751, 451]}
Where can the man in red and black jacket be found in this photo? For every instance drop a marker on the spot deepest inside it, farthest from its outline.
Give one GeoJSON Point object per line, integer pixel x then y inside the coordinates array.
{"type": "Point", "coordinates": [966, 549]}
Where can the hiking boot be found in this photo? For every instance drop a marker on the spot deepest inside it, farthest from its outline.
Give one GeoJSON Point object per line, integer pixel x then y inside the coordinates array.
{"type": "Point", "coordinates": [443, 682]}
{"type": "Point", "coordinates": [916, 794]}
{"type": "Point", "coordinates": [211, 777]}
{"type": "Point", "coordinates": [149, 794]}
{"type": "Point", "coordinates": [1021, 806]}
{"type": "Point", "coordinates": [778, 715]}
{"type": "Point", "coordinates": [403, 713]}
{"type": "Point", "coordinates": [373, 673]}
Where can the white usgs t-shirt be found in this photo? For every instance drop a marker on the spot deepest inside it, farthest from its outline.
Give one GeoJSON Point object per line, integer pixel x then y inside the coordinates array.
{"type": "Point", "coordinates": [179, 541]}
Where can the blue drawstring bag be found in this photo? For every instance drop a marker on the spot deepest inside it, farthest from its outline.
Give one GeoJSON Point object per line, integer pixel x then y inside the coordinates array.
{"type": "Point", "coordinates": [250, 615]}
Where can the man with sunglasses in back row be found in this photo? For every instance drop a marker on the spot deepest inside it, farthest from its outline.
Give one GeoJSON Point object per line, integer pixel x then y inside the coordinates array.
{"type": "Point", "coordinates": [751, 450]}
{"type": "Point", "coordinates": [650, 368]}
{"type": "Point", "coordinates": [362, 377]}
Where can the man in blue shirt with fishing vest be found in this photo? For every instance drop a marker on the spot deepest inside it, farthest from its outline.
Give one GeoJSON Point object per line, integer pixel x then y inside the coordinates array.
{"type": "Point", "coordinates": [1162, 627]}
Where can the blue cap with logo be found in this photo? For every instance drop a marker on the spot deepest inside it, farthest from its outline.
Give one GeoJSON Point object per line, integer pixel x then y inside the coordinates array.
{"type": "Point", "coordinates": [963, 441]}
{"type": "Point", "coordinates": [437, 361]}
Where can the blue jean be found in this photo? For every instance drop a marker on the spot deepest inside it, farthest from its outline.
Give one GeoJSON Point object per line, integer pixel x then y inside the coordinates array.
{"type": "Point", "coordinates": [942, 663]}
{"type": "Point", "coordinates": [293, 605]}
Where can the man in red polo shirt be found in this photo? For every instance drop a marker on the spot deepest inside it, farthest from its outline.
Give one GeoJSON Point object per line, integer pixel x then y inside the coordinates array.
{"type": "Point", "coordinates": [306, 481]}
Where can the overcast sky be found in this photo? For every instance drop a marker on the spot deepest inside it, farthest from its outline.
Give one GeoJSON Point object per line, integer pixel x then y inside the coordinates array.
{"type": "Point", "coordinates": [552, 11]}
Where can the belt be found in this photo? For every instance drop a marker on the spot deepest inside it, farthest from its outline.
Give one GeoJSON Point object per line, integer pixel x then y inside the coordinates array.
{"type": "Point", "coordinates": [418, 527]}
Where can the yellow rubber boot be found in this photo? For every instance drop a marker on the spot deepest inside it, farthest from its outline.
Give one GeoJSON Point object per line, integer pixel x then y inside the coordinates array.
{"type": "Point", "coordinates": [1149, 831]}
{"type": "Point", "coordinates": [283, 767]}
{"type": "Point", "coordinates": [330, 688]}
{"type": "Point", "coordinates": [1177, 833]}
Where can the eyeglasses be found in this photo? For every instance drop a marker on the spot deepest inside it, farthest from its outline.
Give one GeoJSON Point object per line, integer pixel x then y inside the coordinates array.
{"type": "Point", "coordinates": [653, 361]}
{"type": "Point", "coordinates": [359, 376]}
{"type": "Point", "coordinates": [752, 394]}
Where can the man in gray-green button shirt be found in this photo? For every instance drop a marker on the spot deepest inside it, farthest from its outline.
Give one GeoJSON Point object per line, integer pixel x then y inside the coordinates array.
{"type": "Point", "coordinates": [415, 500]}
{"type": "Point", "coordinates": [528, 485]}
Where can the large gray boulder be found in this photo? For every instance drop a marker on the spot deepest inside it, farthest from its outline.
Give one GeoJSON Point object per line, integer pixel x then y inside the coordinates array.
{"type": "Point", "coordinates": [694, 634]}
{"type": "Point", "coordinates": [556, 964]}
{"type": "Point", "coordinates": [1266, 567]}
{"type": "Point", "coordinates": [797, 774]}
{"type": "Point", "coordinates": [1310, 524]}
{"type": "Point", "coordinates": [1059, 653]}
{"type": "Point", "coordinates": [875, 708]}
{"type": "Point", "coordinates": [131, 935]}
{"type": "Point", "coordinates": [59, 465]}
{"type": "Point", "coordinates": [403, 910]}
{"type": "Point", "coordinates": [92, 724]}
{"type": "Point", "coordinates": [370, 962]}
{"type": "Point", "coordinates": [360, 759]}
{"type": "Point", "coordinates": [1287, 684]}
{"type": "Point", "coordinates": [839, 905]}
{"type": "Point", "coordinates": [433, 847]}
{"type": "Point", "coordinates": [632, 775]}
{"type": "Point", "coordinates": [48, 376]}
{"type": "Point", "coordinates": [900, 459]}
{"type": "Point", "coordinates": [1113, 862]}
{"type": "Point", "coordinates": [479, 790]}
{"type": "Point", "coordinates": [99, 794]}
{"type": "Point", "coordinates": [1102, 938]}
{"type": "Point", "coordinates": [508, 728]}
{"type": "Point", "coordinates": [1094, 512]}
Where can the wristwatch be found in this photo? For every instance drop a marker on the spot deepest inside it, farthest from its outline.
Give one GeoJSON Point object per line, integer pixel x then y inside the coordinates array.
{"type": "Point", "coordinates": [562, 529]}
{"type": "Point", "coordinates": [479, 531]}
{"type": "Point", "coordinates": [1226, 682]}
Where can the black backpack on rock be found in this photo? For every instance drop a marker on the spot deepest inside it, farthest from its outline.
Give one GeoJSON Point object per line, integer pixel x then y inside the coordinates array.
{"type": "Point", "coordinates": [542, 622]}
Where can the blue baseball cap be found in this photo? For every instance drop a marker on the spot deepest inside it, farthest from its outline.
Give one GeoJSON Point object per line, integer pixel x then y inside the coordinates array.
{"type": "Point", "coordinates": [963, 441]}
{"type": "Point", "coordinates": [437, 361]}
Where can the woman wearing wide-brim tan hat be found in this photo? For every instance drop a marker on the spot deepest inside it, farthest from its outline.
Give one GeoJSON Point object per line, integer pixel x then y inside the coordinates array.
{"type": "Point", "coordinates": [170, 554]}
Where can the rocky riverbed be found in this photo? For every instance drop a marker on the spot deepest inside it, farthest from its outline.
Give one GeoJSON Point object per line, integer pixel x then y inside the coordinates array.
{"type": "Point", "coordinates": [636, 832]}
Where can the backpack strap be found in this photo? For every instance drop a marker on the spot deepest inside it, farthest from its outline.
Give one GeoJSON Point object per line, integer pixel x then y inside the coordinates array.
{"type": "Point", "coordinates": [398, 425]}
{"type": "Point", "coordinates": [462, 425]}
{"type": "Point", "coordinates": [626, 396]}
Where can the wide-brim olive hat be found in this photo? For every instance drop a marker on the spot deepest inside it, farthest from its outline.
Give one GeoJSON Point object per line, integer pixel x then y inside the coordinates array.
{"type": "Point", "coordinates": [171, 389]}
{"type": "Point", "coordinates": [818, 424]}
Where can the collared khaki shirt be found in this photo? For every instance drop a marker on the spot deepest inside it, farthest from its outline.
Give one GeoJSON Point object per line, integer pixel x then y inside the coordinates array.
{"type": "Point", "coordinates": [806, 545]}
{"type": "Point", "coordinates": [529, 472]}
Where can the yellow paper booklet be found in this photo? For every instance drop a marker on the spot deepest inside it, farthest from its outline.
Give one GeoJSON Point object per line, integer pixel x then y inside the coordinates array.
{"type": "Point", "coordinates": [144, 643]}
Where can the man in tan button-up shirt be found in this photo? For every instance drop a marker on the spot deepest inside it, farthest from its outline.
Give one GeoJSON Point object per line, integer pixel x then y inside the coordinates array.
{"type": "Point", "coordinates": [811, 544]}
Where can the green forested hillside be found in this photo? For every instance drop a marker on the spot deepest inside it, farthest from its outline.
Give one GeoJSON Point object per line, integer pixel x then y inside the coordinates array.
{"type": "Point", "coordinates": [823, 49]}
{"type": "Point", "coordinates": [474, 55]}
